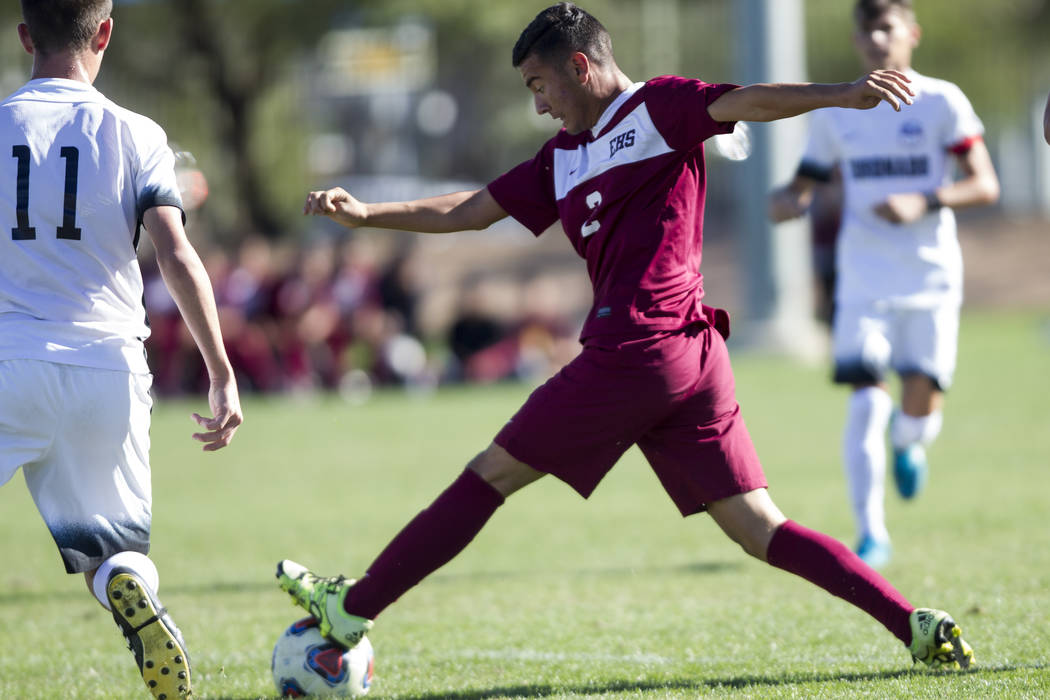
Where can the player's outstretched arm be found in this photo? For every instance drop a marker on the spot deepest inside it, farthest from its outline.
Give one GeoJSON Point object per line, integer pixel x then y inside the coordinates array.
{"type": "Point", "coordinates": [187, 280]}
{"type": "Point", "coordinates": [766, 102]}
{"type": "Point", "coordinates": [457, 211]}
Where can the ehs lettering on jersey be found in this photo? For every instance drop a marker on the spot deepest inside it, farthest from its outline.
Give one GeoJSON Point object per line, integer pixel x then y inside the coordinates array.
{"type": "Point", "coordinates": [907, 166]}
{"type": "Point", "coordinates": [620, 142]}
{"type": "Point", "coordinates": [635, 132]}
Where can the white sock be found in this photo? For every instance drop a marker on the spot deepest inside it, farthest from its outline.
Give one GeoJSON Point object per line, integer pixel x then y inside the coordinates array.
{"type": "Point", "coordinates": [864, 454]}
{"type": "Point", "coordinates": [140, 564]}
{"type": "Point", "coordinates": [916, 430]}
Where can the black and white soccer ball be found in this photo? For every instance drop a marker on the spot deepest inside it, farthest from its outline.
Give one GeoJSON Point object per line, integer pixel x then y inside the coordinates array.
{"type": "Point", "coordinates": [306, 664]}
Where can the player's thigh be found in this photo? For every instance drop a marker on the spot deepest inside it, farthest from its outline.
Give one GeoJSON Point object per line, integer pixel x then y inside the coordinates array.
{"type": "Point", "coordinates": [581, 421]}
{"type": "Point", "coordinates": [702, 451]}
{"type": "Point", "coordinates": [93, 486]}
{"type": "Point", "coordinates": [28, 400]}
{"type": "Point", "coordinates": [926, 342]}
{"type": "Point", "coordinates": [861, 344]}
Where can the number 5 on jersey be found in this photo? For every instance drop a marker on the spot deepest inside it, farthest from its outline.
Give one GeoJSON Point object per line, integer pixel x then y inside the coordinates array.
{"type": "Point", "coordinates": [68, 230]}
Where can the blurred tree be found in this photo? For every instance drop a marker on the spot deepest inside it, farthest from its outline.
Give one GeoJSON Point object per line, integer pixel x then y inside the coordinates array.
{"type": "Point", "coordinates": [225, 77]}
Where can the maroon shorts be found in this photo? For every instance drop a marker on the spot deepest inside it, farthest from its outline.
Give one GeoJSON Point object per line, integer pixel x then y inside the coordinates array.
{"type": "Point", "coordinates": [671, 393]}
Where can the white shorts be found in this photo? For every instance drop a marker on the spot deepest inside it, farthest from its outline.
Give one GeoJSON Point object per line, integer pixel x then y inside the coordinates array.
{"type": "Point", "coordinates": [81, 436]}
{"type": "Point", "coordinates": [868, 341]}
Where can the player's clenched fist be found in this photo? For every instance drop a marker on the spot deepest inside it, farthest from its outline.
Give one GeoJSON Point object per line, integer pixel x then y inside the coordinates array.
{"type": "Point", "coordinates": [338, 204]}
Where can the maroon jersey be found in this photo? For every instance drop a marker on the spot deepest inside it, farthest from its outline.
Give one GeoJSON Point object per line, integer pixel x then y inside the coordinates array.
{"type": "Point", "coordinates": [630, 197]}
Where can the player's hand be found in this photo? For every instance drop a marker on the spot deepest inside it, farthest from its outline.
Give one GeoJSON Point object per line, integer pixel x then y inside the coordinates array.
{"type": "Point", "coordinates": [786, 204]}
{"type": "Point", "coordinates": [226, 408]}
{"type": "Point", "coordinates": [902, 208]}
{"type": "Point", "coordinates": [877, 86]}
{"type": "Point", "coordinates": [337, 204]}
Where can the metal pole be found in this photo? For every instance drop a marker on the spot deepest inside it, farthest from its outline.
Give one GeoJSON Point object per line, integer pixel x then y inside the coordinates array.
{"type": "Point", "coordinates": [775, 261]}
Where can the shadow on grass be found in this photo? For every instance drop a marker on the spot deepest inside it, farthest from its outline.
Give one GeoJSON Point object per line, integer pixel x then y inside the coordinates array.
{"type": "Point", "coordinates": [703, 685]}
{"type": "Point", "coordinates": [267, 583]}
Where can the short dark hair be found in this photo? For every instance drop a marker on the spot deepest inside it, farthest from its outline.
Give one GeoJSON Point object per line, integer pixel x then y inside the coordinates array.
{"type": "Point", "coordinates": [58, 25]}
{"type": "Point", "coordinates": [867, 10]}
{"type": "Point", "coordinates": [561, 30]}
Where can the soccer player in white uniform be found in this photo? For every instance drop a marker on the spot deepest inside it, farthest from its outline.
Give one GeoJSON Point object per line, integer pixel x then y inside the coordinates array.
{"type": "Point", "coordinates": [82, 176]}
{"type": "Point", "coordinates": [899, 266]}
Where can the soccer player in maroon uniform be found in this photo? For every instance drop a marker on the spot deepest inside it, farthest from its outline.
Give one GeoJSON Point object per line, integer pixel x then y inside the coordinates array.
{"type": "Point", "coordinates": [625, 177]}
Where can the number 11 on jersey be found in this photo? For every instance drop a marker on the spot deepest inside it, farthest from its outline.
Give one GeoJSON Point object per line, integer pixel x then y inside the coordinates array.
{"type": "Point", "coordinates": [68, 230]}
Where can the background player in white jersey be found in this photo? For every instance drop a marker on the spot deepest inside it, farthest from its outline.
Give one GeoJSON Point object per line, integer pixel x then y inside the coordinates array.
{"type": "Point", "coordinates": [899, 282]}
{"type": "Point", "coordinates": [82, 176]}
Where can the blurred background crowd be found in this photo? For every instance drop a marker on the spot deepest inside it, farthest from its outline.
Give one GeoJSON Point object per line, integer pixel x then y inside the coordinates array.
{"type": "Point", "coordinates": [397, 99]}
{"type": "Point", "coordinates": [348, 314]}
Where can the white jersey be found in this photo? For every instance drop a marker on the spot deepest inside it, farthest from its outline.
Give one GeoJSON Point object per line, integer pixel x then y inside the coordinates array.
{"type": "Point", "coordinates": [881, 152]}
{"type": "Point", "coordinates": [79, 174]}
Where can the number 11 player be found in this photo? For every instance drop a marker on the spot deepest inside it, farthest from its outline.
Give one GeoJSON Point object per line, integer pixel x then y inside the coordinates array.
{"type": "Point", "coordinates": [625, 177]}
{"type": "Point", "coordinates": [79, 176]}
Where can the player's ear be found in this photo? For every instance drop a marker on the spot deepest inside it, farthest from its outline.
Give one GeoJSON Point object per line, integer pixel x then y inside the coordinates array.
{"type": "Point", "coordinates": [23, 36]}
{"type": "Point", "coordinates": [579, 66]}
{"type": "Point", "coordinates": [916, 34]}
{"type": "Point", "coordinates": [103, 35]}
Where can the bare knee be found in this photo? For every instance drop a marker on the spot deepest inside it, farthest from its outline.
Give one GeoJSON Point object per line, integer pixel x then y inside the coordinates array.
{"type": "Point", "coordinates": [501, 471]}
{"type": "Point", "coordinates": [749, 519]}
{"type": "Point", "coordinates": [920, 396]}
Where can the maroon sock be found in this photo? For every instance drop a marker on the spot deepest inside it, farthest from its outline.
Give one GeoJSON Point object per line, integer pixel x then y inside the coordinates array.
{"type": "Point", "coordinates": [428, 542]}
{"type": "Point", "coordinates": [831, 565]}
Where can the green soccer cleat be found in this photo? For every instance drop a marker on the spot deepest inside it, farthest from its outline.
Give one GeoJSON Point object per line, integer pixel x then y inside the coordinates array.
{"type": "Point", "coordinates": [156, 642]}
{"type": "Point", "coordinates": [937, 641]}
{"type": "Point", "coordinates": [323, 598]}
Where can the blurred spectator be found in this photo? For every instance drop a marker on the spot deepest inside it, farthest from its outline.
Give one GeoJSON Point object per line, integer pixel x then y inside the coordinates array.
{"type": "Point", "coordinates": [478, 337]}
{"type": "Point", "coordinates": [399, 288]}
{"type": "Point", "coordinates": [309, 335]}
{"type": "Point", "coordinates": [165, 344]}
{"type": "Point", "coordinates": [509, 331]}
{"type": "Point", "coordinates": [245, 302]}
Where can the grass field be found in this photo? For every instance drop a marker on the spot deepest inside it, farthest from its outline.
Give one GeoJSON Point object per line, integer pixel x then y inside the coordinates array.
{"type": "Point", "coordinates": [616, 597]}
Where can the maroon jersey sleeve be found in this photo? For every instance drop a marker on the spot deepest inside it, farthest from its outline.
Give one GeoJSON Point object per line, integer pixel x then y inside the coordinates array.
{"type": "Point", "coordinates": [526, 192]}
{"type": "Point", "coordinates": [678, 107]}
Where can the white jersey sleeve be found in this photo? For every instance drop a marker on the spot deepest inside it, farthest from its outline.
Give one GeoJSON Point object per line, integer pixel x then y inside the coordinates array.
{"type": "Point", "coordinates": [962, 125]}
{"type": "Point", "coordinates": [155, 181]}
{"type": "Point", "coordinates": [822, 151]}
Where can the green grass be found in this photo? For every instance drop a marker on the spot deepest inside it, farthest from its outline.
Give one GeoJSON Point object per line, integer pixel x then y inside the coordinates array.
{"type": "Point", "coordinates": [616, 597]}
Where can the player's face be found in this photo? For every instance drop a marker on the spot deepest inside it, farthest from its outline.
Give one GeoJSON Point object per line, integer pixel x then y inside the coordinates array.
{"type": "Point", "coordinates": [554, 92]}
{"type": "Point", "coordinates": [886, 41]}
